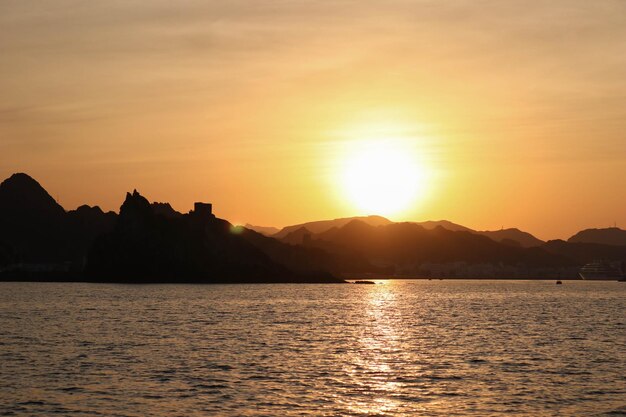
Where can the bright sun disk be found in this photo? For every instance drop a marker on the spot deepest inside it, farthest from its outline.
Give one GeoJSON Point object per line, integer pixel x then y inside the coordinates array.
{"type": "Point", "coordinates": [382, 178]}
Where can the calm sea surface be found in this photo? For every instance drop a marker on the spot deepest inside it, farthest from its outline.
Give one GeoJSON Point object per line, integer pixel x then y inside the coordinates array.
{"type": "Point", "coordinates": [402, 348]}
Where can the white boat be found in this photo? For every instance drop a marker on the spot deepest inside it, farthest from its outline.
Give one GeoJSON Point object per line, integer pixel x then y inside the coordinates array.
{"type": "Point", "coordinates": [602, 271]}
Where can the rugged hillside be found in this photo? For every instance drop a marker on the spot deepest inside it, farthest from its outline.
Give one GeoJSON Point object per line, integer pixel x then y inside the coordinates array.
{"type": "Point", "coordinates": [145, 243]}
{"type": "Point", "coordinates": [608, 236]}
{"type": "Point", "coordinates": [31, 221]}
{"type": "Point", "coordinates": [39, 230]}
{"type": "Point", "coordinates": [147, 246]}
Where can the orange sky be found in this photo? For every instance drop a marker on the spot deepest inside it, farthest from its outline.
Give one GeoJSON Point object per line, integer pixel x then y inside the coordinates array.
{"type": "Point", "coordinates": [516, 109]}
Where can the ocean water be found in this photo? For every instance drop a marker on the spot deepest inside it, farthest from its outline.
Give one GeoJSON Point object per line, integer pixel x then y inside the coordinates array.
{"type": "Point", "coordinates": [401, 348]}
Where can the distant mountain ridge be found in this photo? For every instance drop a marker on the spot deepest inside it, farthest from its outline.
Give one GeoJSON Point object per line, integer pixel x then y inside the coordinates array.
{"type": "Point", "coordinates": [409, 248]}
{"type": "Point", "coordinates": [607, 236]}
{"type": "Point", "coordinates": [264, 230]}
{"type": "Point", "coordinates": [524, 239]}
{"type": "Point", "coordinates": [323, 225]}
{"type": "Point", "coordinates": [411, 242]}
{"type": "Point", "coordinates": [298, 236]}
{"type": "Point", "coordinates": [152, 242]}
{"type": "Point", "coordinates": [432, 224]}
{"type": "Point", "coordinates": [582, 253]}
{"type": "Point", "coordinates": [513, 236]}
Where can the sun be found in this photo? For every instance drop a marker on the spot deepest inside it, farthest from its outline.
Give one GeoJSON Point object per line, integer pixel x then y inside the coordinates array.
{"type": "Point", "coordinates": [382, 177]}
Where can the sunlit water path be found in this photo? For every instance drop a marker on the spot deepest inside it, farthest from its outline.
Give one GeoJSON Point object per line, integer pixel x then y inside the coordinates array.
{"type": "Point", "coordinates": [402, 348]}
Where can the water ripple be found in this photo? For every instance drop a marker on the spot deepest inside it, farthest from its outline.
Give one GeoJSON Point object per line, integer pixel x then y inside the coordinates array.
{"type": "Point", "coordinates": [404, 348]}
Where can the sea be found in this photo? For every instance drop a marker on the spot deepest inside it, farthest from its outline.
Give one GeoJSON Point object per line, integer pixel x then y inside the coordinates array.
{"type": "Point", "coordinates": [397, 348]}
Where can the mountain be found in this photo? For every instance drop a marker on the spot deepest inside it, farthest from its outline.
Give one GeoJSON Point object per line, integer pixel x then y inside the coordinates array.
{"type": "Point", "coordinates": [37, 228]}
{"type": "Point", "coordinates": [7, 255]}
{"type": "Point", "coordinates": [151, 242]}
{"type": "Point", "coordinates": [146, 242]}
{"type": "Point", "coordinates": [324, 225]}
{"type": "Point", "coordinates": [407, 245]}
{"type": "Point", "coordinates": [21, 195]}
{"type": "Point", "coordinates": [264, 230]}
{"type": "Point", "coordinates": [608, 236]}
{"type": "Point", "coordinates": [165, 209]}
{"type": "Point", "coordinates": [148, 246]}
{"type": "Point", "coordinates": [582, 253]}
{"type": "Point", "coordinates": [513, 236]}
{"type": "Point", "coordinates": [297, 237]}
{"type": "Point", "coordinates": [31, 221]}
{"type": "Point", "coordinates": [307, 259]}
{"type": "Point", "coordinates": [82, 227]}
{"type": "Point", "coordinates": [431, 224]}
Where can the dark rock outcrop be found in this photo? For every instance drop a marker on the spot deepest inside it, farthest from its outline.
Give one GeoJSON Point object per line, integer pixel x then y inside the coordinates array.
{"type": "Point", "coordinates": [38, 229]}
{"type": "Point", "coordinates": [31, 221]}
{"type": "Point", "coordinates": [145, 247]}
{"type": "Point", "coordinates": [166, 210]}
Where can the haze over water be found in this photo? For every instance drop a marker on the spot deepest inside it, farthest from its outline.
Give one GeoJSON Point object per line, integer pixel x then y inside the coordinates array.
{"type": "Point", "coordinates": [396, 349]}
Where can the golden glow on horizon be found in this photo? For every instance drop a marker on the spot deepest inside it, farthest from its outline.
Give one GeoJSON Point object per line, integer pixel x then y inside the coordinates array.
{"type": "Point", "coordinates": [260, 107]}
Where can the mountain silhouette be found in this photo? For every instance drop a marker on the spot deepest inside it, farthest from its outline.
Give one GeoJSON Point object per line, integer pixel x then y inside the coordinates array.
{"type": "Point", "coordinates": [7, 255]}
{"type": "Point", "coordinates": [608, 236]}
{"type": "Point", "coordinates": [21, 195]}
{"type": "Point", "coordinates": [146, 242]}
{"type": "Point", "coordinates": [411, 244]}
{"type": "Point", "coordinates": [152, 242]}
{"type": "Point", "coordinates": [582, 253]}
{"type": "Point", "coordinates": [308, 259]}
{"type": "Point", "coordinates": [323, 225]}
{"type": "Point", "coordinates": [264, 230]}
{"type": "Point", "coordinates": [147, 245]}
{"type": "Point", "coordinates": [166, 210]}
{"type": "Point", "coordinates": [432, 224]}
{"type": "Point", "coordinates": [38, 229]}
{"type": "Point", "coordinates": [513, 236]}
{"type": "Point", "coordinates": [31, 221]}
{"type": "Point", "coordinates": [82, 227]}
{"type": "Point", "coordinates": [297, 236]}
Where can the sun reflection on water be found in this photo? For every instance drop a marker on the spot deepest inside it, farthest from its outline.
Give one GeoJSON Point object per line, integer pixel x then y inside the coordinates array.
{"type": "Point", "coordinates": [378, 352]}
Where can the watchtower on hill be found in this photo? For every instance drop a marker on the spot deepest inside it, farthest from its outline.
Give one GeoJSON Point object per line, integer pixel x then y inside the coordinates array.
{"type": "Point", "coordinates": [203, 210]}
